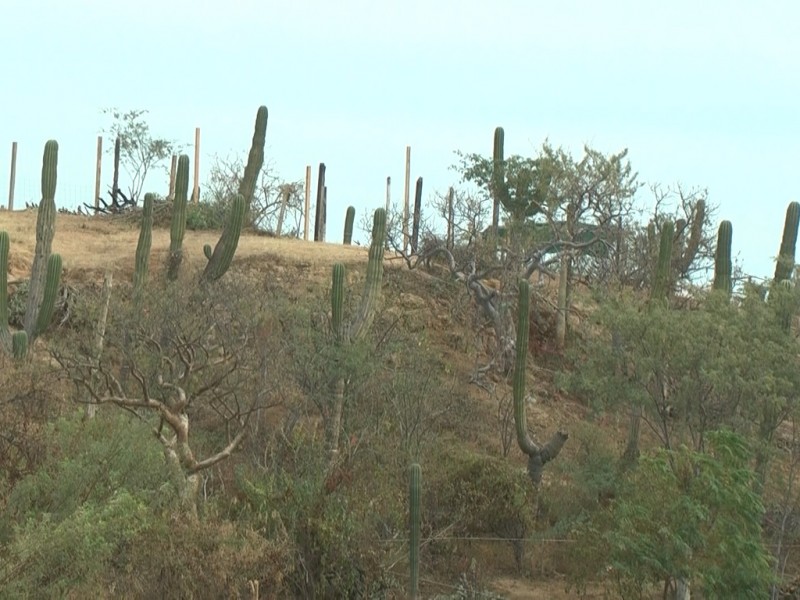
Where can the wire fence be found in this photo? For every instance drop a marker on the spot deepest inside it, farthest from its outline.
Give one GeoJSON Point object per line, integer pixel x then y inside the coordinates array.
{"type": "Point", "coordinates": [71, 196]}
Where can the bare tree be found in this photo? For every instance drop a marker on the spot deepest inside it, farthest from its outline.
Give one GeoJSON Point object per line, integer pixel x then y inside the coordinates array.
{"type": "Point", "coordinates": [140, 152]}
{"type": "Point", "coordinates": [275, 202]}
{"type": "Point", "coordinates": [190, 360]}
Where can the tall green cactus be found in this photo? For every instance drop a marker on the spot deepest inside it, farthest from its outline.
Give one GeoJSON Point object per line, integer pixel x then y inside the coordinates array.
{"type": "Point", "coordinates": [223, 253]}
{"type": "Point", "coordinates": [538, 456]}
{"type": "Point", "coordinates": [221, 258]}
{"type": "Point", "coordinates": [344, 334]}
{"type": "Point", "coordinates": [142, 260]}
{"type": "Point", "coordinates": [337, 300]}
{"type": "Point", "coordinates": [255, 160]}
{"type": "Point", "coordinates": [687, 247]}
{"type": "Point", "coordinates": [19, 345]}
{"type": "Point", "coordinates": [5, 336]}
{"type": "Point", "coordinates": [349, 219]}
{"type": "Point", "coordinates": [45, 231]}
{"type": "Point", "coordinates": [319, 215]}
{"type": "Point", "coordinates": [663, 267]}
{"type": "Point", "coordinates": [52, 281]}
{"type": "Point", "coordinates": [723, 267]}
{"type": "Point", "coordinates": [178, 225]}
{"type": "Point", "coordinates": [785, 263]}
{"type": "Point", "coordinates": [500, 194]}
{"type": "Point", "coordinates": [415, 221]}
{"type": "Point", "coordinates": [372, 285]}
{"type": "Point", "coordinates": [414, 485]}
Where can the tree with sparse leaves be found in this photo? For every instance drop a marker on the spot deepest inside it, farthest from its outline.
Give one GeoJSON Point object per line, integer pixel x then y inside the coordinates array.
{"type": "Point", "coordinates": [140, 151]}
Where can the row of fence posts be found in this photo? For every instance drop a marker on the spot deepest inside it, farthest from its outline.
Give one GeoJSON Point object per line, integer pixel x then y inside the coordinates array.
{"type": "Point", "coordinates": [320, 219]}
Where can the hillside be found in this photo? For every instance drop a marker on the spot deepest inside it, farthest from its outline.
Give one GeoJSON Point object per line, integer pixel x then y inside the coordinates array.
{"type": "Point", "coordinates": [275, 513]}
{"type": "Point", "coordinates": [414, 300]}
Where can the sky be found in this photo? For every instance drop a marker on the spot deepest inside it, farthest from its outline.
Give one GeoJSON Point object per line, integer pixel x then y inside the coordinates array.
{"type": "Point", "coordinates": [701, 94]}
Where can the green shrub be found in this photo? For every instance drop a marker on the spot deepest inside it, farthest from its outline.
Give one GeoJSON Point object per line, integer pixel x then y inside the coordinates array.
{"type": "Point", "coordinates": [693, 515]}
{"type": "Point", "coordinates": [205, 215]}
{"type": "Point", "coordinates": [481, 495]}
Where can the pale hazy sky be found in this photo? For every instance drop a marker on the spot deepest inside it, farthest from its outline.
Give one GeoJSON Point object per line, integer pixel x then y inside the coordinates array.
{"type": "Point", "coordinates": [701, 93]}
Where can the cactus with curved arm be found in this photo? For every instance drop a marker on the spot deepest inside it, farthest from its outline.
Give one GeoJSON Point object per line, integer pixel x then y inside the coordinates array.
{"type": "Point", "coordinates": [538, 456]}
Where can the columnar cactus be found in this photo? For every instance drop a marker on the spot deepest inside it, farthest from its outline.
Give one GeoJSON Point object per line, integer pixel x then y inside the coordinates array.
{"type": "Point", "coordinates": [178, 225]}
{"type": "Point", "coordinates": [343, 334]}
{"type": "Point", "coordinates": [143, 246]}
{"type": "Point", "coordinates": [221, 258]}
{"type": "Point", "coordinates": [19, 345]}
{"type": "Point", "coordinates": [722, 258]}
{"type": "Point", "coordinates": [500, 194]}
{"type": "Point", "coordinates": [349, 219]}
{"type": "Point", "coordinates": [785, 263]}
{"type": "Point", "coordinates": [318, 217]}
{"type": "Point", "coordinates": [538, 456]}
{"type": "Point", "coordinates": [52, 281]}
{"type": "Point", "coordinates": [229, 240]}
{"type": "Point", "coordinates": [687, 248]}
{"type": "Point", "coordinates": [662, 276]}
{"type": "Point", "coordinates": [5, 336]}
{"type": "Point", "coordinates": [255, 160]}
{"type": "Point", "coordinates": [372, 285]}
{"type": "Point", "coordinates": [414, 484]}
{"type": "Point", "coordinates": [417, 216]}
{"type": "Point", "coordinates": [45, 230]}
{"type": "Point", "coordinates": [337, 300]}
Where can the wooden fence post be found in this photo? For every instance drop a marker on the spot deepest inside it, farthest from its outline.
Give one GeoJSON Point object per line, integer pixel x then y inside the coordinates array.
{"type": "Point", "coordinates": [308, 203]}
{"type": "Point", "coordinates": [196, 188]}
{"type": "Point", "coordinates": [98, 173]}
{"type": "Point", "coordinates": [13, 179]}
{"type": "Point", "coordinates": [405, 198]}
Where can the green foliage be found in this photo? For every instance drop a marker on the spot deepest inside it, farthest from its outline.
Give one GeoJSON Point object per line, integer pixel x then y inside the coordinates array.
{"type": "Point", "coordinates": [330, 534]}
{"type": "Point", "coordinates": [97, 489]}
{"type": "Point", "coordinates": [204, 216]}
{"type": "Point", "coordinates": [551, 181]}
{"type": "Point", "coordinates": [688, 369]}
{"type": "Point", "coordinates": [90, 460]}
{"type": "Point", "coordinates": [71, 556]}
{"type": "Point", "coordinates": [582, 482]}
{"type": "Point", "coordinates": [481, 495]}
{"type": "Point", "coordinates": [686, 514]}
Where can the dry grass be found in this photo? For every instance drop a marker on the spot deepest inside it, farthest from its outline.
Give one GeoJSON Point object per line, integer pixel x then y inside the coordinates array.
{"type": "Point", "coordinates": [92, 245]}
